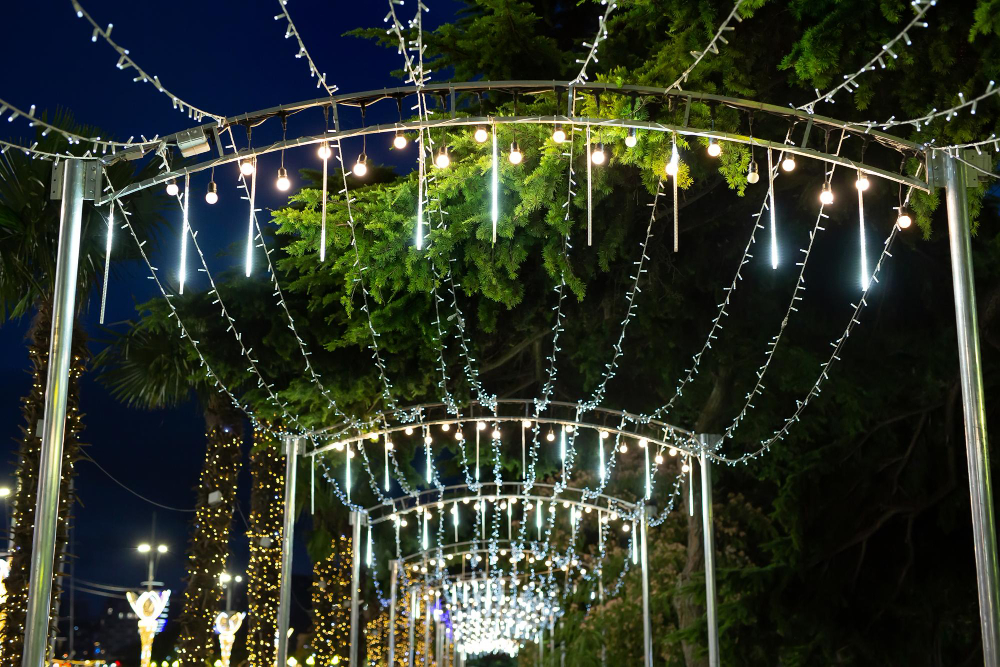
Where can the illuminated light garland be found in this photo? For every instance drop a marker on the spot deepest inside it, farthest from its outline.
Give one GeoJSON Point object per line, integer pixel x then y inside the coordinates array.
{"type": "Point", "coordinates": [125, 61]}
{"type": "Point", "coordinates": [264, 533]}
{"type": "Point", "coordinates": [712, 46]}
{"type": "Point", "coordinates": [933, 114]}
{"type": "Point", "coordinates": [72, 137]}
{"type": "Point", "coordinates": [849, 84]}
{"type": "Point", "coordinates": [602, 34]}
{"type": "Point", "coordinates": [290, 32]}
{"type": "Point", "coordinates": [34, 153]}
{"type": "Point", "coordinates": [331, 601]}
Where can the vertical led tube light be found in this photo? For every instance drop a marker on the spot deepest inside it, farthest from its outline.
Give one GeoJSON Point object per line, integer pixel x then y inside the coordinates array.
{"type": "Point", "coordinates": [184, 233]}
{"type": "Point", "coordinates": [774, 224]}
{"type": "Point", "coordinates": [253, 200]}
{"type": "Point", "coordinates": [494, 184]}
{"type": "Point", "coordinates": [864, 248]}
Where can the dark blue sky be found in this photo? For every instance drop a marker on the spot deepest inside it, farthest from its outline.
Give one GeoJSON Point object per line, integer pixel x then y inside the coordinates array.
{"type": "Point", "coordinates": [227, 57]}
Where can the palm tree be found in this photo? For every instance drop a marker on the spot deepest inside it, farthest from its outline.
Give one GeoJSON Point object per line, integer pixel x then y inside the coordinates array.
{"type": "Point", "coordinates": [29, 233]}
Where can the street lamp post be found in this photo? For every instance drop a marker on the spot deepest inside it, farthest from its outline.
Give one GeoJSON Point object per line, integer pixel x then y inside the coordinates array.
{"type": "Point", "coordinates": [152, 560]}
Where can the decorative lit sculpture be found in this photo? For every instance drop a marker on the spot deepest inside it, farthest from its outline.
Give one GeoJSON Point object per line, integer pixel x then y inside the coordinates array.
{"type": "Point", "coordinates": [227, 623]}
{"type": "Point", "coordinates": [147, 606]}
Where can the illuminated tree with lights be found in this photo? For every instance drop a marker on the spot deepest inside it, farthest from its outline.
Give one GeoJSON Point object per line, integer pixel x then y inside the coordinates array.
{"type": "Point", "coordinates": [377, 639]}
{"type": "Point", "coordinates": [29, 232]}
{"type": "Point", "coordinates": [267, 474]}
{"type": "Point", "coordinates": [331, 597]}
{"type": "Point", "coordinates": [208, 547]}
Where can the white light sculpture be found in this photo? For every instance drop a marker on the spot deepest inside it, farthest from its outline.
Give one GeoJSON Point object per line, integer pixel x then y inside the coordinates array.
{"type": "Point", "coordinates": [147, 606]}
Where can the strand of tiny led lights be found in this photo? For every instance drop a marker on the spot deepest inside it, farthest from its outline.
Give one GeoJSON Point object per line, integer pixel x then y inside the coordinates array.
{"type": "Point", "coordinates": [717, 320]}
{"type": "Point", "coordinates": [71, 137]}
{"type": "Point", "coordinates": [34, 153]}
{"type": "Point", "coordinates": [609, 369]}
{"type": "Point", "coordinates": [974, 144]}
{"type": "Point", "coordinates": [800, 286]}
{"type": "Point", "coordinates": [834, 356]}
{"type": "Point", "coordinates": [712, 45]}
{"type": "Point", "coordinates": [602, 34]}
{"type": "Point", "coordinates": [125, 61]}
{"type": "Point", "coordinates": [933, 114]}
{"type": "Point", "coordinates": [849, 82]}
{"type": "Point", "coordinates": [291, 31]}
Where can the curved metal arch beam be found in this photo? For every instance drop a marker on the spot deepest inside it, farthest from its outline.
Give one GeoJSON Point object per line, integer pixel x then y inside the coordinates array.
{"type": "Point", "coordinates": [625, 123]}
{"type": "Point", "coordinates": [384, 512]}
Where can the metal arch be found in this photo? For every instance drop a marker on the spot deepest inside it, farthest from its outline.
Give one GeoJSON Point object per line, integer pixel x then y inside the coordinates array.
{"type": "Point", "coordinates": [658, 433]}
{"type": "Point", "coordinates": [528, 87]}
{"type": "Point", "coordinates": [384, 512]}
{"type": "Point", "coordinates": [385, 128]}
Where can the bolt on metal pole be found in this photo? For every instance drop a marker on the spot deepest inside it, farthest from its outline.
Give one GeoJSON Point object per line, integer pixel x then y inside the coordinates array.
{"type": "Point", "coordinates": [709, 548]}
{"type": "Point", "coordinates": [974, 410]}
{"type": "Point", "coordinates": [355, 585]}
{"type": "Point", "coordinates": [43, 545]}
{"type": "Point", "coordinates": [647, 630]}
{"type": "Point", "coordinates": [287, 535]}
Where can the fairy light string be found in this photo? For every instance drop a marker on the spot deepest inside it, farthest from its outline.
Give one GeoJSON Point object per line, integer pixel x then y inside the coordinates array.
{"type": "Point", "coordinates": [713, 46]}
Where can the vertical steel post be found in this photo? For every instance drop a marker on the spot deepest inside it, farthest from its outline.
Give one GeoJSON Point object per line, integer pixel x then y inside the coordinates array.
{"type": "Point", "coordinates": [43, 545]}
{"type": "Point", "coordinates": [355, 585]}
{"type": "Point", "coordinates": [973, 402]}
{"type": "Point", "coordinates": [393, 577]}
{"type": "Point", "coordinates": [647, 630]}
{"type": "Point", "coordinates": [600, 593]}
{"type": "Point", "coordinates": [709, 548]}
{"type": "Point", "coordinates": [287, 535]}
{"type": "Point", "coordinates": [414, 605]}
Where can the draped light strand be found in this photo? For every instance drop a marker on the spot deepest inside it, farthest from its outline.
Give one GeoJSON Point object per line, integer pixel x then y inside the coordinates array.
{"type": "Point", "coordinates": [850, 84]}
{"type": "Point", "coordinates": [74, 139]}
{"type": "Point", "coordinates": [602, 34]}
{"type": "Point", "coordinates": [292, 31]}
{"type": "Point", "coordinates": [713, 46]}
{"type": "Point", "coordinates": [125, 61]}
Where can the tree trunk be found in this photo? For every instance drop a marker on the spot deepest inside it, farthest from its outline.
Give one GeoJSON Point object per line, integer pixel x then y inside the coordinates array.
{"type": "Point", "coordinates": [689, 612]}
{"type": "Point", "coordinates": [267, 473]}
{"type": "Point", "coordinates": [209, 545]}
{"type": "Point", "coordinates": [331, 609]}
{"type": "Point", "coordinates": [23, 503]}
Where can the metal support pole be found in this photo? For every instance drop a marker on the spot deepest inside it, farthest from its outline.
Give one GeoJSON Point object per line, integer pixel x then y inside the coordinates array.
{"type": "Point", "coordinates": [647, 630]}
{"type": "Point", "coordinates": [414, 605]}
{"type": "Point", "coordinates": [973, 402]}
{"type": "Point", "coordinates": [355, 585]}
{"type": "Point", "coordinates": [600, 597]}
{"type": "Point", "coordinates": [427, 633]}
{"type": "Point", "coordinates": [393, 576]}
{"type": "Point", "coordinates": [709, 548]}
{"type": "Point", "coordinates": [43, 545]}
{"type": "Point", "coordinates": [287, 535]}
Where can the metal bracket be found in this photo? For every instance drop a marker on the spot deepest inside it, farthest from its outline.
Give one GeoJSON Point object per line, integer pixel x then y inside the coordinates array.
{"type": "Point", "coordinates": [687, 111]}
{"type": "Point", "coordinates": [805, 135]}
{"type": "Point", "coordinates": [91, 180]}
{"type": "Point", "coordinates": [973, 176]}
{"type": "Point", "coordinates": [452, 95]}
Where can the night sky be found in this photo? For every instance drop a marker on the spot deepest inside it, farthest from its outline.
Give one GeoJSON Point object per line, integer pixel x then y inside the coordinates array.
{"type": "Point", "coordinates": [230, 58]}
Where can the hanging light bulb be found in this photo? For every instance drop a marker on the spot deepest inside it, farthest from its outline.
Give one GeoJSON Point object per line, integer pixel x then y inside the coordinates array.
{"type": "Point", "coordinates": [714, 148]}
{"type": "Point", "coordinates": [597, 156]}
{"type": "Point", "coordinates": [247, 167]}
{"type": "Point", "coordinates": [324, 151]}
{"type": "Point", "coordinates": [399, 141]}
{"type": "Point", "coordinates": [788, 164]}
{"type": "Point", "coordinates": [559, 134]}
{"type": "Point", "coordinates": [442, 160]}
{"type": "Point", "coordinates": [283, 183]}
{"type": "Point", "coordinates": [361, 166]}
{"type": "Point", "coordinates": [905, 218]}
{"type": "Point", "coordinates": [826, 195]}
{"type": "Point", "coordinates": [862, 183]}
{"type": "Point", "coordinates": [172, 188]}
{"type": "Point", "coordinates": [675, 159]}
{"type": "Point", "coordinates": [481, 134]}
{"type": "Point", "coordinates": [752, 175]}
{"type": "Point", "coordinates": [631, 140]}
{"type": "Point", "coordinates": [550, 436]}
{"type": "Point", "coordinates": [212, 196]}
{"type": "Point", "coordinates": [515, 156]}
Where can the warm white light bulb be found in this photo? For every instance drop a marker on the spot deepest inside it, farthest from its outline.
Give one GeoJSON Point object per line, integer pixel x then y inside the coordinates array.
{"type": "Point", "coordinates": [623, 447]}
{"type": "Point", "coordinates": [481, 134]}
{"type": "Point", "coordinates": [442, 160]}
{"type": "Point", "coordinates": [752, 175]}
{"type": "Point", "coordinates": [631, 140]}
{"type": "Point", "coordinates": [212, 196]}
{"type": "Point", "coordinates": [826, 196]}
{"type": "Point", "coordinates": [361, 166]}
{"type": "Point", "coordinates": [550, 436]}
{"type": "Point", "coordinates": [399, 141]}
{"type": "Point", "coordinates": [675, 160]}
{"type": "Point", "coordinates": [283, 183]}
{"type": "Point", "coordinates": [172, 188]}
{"type": "Point", "coordinates": [862, 183]}
{"type": "Point", "coordinates": [246, 167]}
{"type": "Point", "coordinates": [714, 148]}
{"type": "Point", "coordinates": [598, 157]}
{"type": "Point", "coordinates": [515, 156]}
{"type": "Point", "coordinates": [559, 134]}
{"type": "Point", "coordinates": [324, 151]}
{"type": "Point", "coordinates": [788, 164]}
{"type": "Point", "coordinates": [904, 220]}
